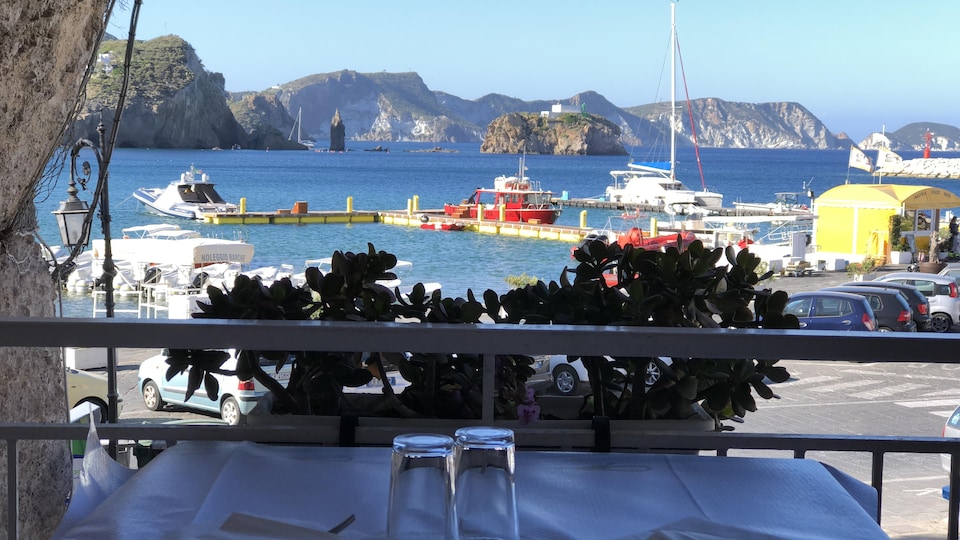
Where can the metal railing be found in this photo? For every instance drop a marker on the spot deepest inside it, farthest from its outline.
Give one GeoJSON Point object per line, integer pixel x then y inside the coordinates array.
{"type": "Point", "coordinates": [490, 340]}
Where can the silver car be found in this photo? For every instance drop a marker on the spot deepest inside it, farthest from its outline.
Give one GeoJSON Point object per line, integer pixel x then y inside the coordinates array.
{"type": "Point", "coordinates": [942, 291]}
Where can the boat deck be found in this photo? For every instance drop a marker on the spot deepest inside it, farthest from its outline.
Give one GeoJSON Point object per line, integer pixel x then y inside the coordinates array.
{"type": "Point", "coordinates": [610, 205]}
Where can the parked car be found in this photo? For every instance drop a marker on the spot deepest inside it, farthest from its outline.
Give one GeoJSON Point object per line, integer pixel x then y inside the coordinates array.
{"type": "Point", "coordinates": [235, 398]}
{"type": "Point", "coordinates": [942, 291]}
{"type": "Point", "coordinates": [952, 270]}
{"type": "Point", "coordinates": [832, 310]}
{"type": "Point", "coordinates": [917, 300]}
{"type": "Point", "coordinates": [85, 387]}
{"type": "Point", "coordinates": [569, 376]}
{"type": "Point", "coordinates": [890, 307]}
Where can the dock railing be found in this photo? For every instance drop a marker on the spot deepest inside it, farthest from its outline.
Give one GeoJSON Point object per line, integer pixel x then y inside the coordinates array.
{"type": "Point", "coordinates": [490, 340]}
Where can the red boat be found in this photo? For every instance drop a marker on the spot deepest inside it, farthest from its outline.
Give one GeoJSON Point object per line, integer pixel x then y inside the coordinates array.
{"type": "Point", "coordinates": [519, 198]}
{"type": "Point", "coordinates": [442, 226]}
{"type": "Point", "coordinates": [636, 238]}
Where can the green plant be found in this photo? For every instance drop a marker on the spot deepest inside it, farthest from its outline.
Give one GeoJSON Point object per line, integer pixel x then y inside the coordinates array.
{"type": "Point", "coordinates": [898, 242]}
{"type": "Point", "coordinates": [667, 289]}
{"type": "Point", "coordinates": [652, 288]}
{"type": "Point", "coordinates": [441, 385]}
{"type": "Point", "coordinates": [521, 280]}
{"type": "Point", "coordinates": [868, 265]}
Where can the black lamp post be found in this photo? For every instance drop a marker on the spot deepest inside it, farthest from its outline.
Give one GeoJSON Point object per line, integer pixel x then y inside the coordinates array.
{"type": "Point", "coordinates": [72, 219]}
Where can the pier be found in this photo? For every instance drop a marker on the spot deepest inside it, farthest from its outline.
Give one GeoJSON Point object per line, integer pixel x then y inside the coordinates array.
{"type": "Point", "coordinates": [413, 216]}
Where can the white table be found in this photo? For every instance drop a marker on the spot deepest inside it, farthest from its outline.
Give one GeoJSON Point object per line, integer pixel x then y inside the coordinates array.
{"type": "Point", "coordinates": [193, 487]}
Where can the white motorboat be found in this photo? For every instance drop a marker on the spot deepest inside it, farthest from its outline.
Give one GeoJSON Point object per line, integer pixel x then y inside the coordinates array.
{"type": "Point", "coordinates": [401, 270]}
{"type": "Point", "coordinates": [190, 197]}
{"type": "Point", "coordinates": [787, 202]}
{"type": "Point", "coordinates": [650, 185]}
{"type": "Point", "coordinates": [172, 256]}
{"type": "Point", "coordinates": [655, 184]}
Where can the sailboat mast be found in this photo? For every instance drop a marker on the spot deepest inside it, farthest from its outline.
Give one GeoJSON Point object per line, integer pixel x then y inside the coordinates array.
{"type": "Point", "coordinates": [673, 90]}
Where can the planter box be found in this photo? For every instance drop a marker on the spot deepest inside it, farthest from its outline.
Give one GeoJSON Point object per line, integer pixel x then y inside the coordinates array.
{"type": "Point", "coordinates": [85, 358]}
{"type": "Point", "coordinates": [901, 257]}
{"type": "Point", "coordinates": [932, 267]}
{"type": "Point", "coordinates": [579, 435]}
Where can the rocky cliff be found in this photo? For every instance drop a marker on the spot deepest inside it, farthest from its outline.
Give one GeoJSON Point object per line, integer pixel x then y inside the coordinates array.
{"type": "Point", "coordinates": [172, 102]}
{"type": "Point", "coordinates": [565, 134]}
{"type": "Point", "coordinates": [176, 102]}
{"type": "Point", "coordinates": [943, 138]}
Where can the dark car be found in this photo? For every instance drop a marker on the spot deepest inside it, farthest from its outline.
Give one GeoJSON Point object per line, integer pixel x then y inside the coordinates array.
{"type": "Point", "coordinates": [831, 310]}
{"type": "Point", "coordinates": [915, 297]}
{"type": "Point", "coordinates": [890, 307]}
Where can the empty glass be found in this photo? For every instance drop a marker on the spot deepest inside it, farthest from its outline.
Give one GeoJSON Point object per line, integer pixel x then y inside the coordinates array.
{"type": "Point", "coordinates": [421, 488]}
{"type": "Point", "coordinates": [486, 501]}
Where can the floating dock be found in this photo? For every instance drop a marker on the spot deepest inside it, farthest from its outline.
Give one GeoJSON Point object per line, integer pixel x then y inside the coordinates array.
{"type": "Point", "coordinates": [504, 228]}
{"type": "Point", "coordinates": [289, 218]}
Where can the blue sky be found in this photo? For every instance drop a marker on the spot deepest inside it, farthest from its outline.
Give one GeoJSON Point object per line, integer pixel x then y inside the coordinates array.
{"type": "Point", "coordinates": [857, 65]}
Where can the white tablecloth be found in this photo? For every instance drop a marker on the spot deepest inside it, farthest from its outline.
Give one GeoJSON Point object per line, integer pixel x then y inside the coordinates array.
{"type": "Point", "coordinates": [189, 490]}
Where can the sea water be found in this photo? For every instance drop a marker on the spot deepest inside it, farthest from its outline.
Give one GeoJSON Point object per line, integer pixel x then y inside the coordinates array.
{"type": "Point", "coordinates": [388, 180]}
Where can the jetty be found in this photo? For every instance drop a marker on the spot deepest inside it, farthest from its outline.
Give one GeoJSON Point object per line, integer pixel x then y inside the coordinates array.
{"type": "Point", "coordinates": [413, 216]}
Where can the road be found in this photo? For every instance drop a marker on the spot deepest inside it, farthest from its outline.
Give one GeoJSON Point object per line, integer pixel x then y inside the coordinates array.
{"type": "Point", "coordinates": [820, 398]}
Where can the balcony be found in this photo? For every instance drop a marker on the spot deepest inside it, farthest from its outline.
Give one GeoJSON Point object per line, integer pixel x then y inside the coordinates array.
{"type": "Point", "coordinates": [500, 339]}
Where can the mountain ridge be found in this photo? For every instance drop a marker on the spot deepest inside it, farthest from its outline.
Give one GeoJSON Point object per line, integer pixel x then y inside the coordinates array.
{"type": "Point", "coordinates": [176, 102]}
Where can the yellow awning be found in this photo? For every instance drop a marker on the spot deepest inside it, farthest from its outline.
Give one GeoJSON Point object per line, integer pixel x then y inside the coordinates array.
{"type": "Point", "coordinates": [889, 196]}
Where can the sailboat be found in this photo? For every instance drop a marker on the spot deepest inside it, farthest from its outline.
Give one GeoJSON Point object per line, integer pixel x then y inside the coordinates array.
{"type": "Point", "coordinates": [655, 183]}
{"type": "Point", "coordinates": [297, 127]}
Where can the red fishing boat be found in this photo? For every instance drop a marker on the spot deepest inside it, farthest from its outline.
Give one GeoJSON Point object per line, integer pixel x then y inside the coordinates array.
{"type": "Point", "coordinates": [512, 198]}
{"type": "Point", "coordinates": [636, 238]}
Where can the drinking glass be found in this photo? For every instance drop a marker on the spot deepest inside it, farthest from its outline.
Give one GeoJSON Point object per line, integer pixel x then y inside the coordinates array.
{"type": "Point", "coordinates": [421, 488]}
{"type": "Point", "coordinates": [486, 500]}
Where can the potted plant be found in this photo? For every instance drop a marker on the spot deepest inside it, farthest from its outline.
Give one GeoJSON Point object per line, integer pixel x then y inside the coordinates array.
{"type": "Point", "coordinates": [441, 386]}
{"type": "Point", "coordinates": [647, 288]}
{"type": "Point", "coordinates": [673, 288]}
{"type": "Point", "coordinates": [856, 270]}
{"type": "Point", "coordinates": [899, 247]}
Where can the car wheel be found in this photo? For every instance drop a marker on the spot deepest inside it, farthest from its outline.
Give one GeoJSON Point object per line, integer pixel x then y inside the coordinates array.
{"type": "Point", "coordinates": [884, 329]}
{"type": "Point", "coordinates": [151, 396]}
{"type": "Point", "coordinates": [100, 413]}
{"type": "Point", "coordinates": [565, 380]}
{"type": "Point", "coordinates": [652, 374]}
{"type": "Point", "coordinates": [940, 323]}
{"type": "Point", "coordinates": [230, 411]}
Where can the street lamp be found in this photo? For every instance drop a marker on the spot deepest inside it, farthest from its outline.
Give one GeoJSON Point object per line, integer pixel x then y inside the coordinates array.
{"type": "Point", "coordinates": [73, 219]}
{"type": "Point", "coordinates": [71, 216]}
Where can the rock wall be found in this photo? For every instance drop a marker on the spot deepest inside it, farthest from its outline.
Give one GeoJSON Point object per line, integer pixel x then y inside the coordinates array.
{"type": "Point", "coordinates": [46, 48]}
{"type": "Point", "coordinates": [173, 102]}
{"type": "Point", "coordinates": [567, 135]}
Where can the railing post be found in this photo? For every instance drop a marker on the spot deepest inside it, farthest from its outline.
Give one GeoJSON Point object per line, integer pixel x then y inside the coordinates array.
{"type": "Point", "coordinates": [13, 488]}
{"type": "Point", "coordinates": [953, 504]}
{"type": "Point", "coordinates": [877, 481]}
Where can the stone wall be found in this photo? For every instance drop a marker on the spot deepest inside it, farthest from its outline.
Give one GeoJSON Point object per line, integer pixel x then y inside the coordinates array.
{"type": "Point", "coordinates": [45, 50]}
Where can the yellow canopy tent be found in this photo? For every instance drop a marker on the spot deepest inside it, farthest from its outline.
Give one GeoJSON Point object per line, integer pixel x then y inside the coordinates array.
{"type": "Point", "coordinates": [853, 218]}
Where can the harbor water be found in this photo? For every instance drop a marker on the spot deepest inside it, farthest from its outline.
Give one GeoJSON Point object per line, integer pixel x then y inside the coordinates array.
{"type": "Point", "coordinates": [389, 180]}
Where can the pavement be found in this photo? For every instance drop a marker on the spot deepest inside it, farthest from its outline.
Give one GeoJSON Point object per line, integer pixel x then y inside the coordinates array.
{"type": "Point", "coordinates": [820, 279]}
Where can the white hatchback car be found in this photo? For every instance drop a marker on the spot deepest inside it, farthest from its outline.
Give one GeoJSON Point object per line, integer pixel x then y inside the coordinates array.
{"type": "Point", "coordinates": [568, 376]}
{"type": "Point", "coordinates": [942, 291]}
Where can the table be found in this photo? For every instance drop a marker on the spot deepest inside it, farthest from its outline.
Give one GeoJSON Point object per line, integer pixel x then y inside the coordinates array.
{"type": "Point", "coordinates": [189, 490]}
